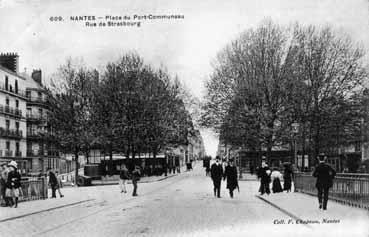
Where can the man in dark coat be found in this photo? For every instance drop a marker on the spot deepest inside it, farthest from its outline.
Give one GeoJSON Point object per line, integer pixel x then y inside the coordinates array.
{"type": "Point", "coordinates": [325, 175]}
{"type": "Point", "coordinates": [231, 175]}
{"type": "Point", "coordinates": [264, 175]}
{"type": "Point", "coordinates": [217, 175]}
{"type": "Point", "coordinates": [53, 182]}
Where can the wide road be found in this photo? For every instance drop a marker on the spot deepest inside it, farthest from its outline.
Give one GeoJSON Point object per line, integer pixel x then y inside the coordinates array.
{"type": "Point", "coordinates": [178, 206]}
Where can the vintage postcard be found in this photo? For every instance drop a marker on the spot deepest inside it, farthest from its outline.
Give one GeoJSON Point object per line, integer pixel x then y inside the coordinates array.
{"type": "Point", "coordinates": [184, 118]}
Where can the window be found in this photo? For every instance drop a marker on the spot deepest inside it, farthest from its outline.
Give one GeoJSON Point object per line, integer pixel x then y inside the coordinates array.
{"type": "Point", "coordinates": [16, 86]}
{"type": "Point", "coordinates": [7, 145]}
{"type": "Point", "coordinates": [7, 123]}
{"type": "Point", "coordinates": [17, 104]}
{"type": "Point", "coordinates": [40, 112]}
{"type": "Point", "coordinates": [28, 94]}
{"type": "Point", "coordinates": [17, 126]}
{"type": "Point", "coordinates": [39, 95]}
{"type": "Point", "coordinates": [7, 101]}
{"type": "Point", "coordinates": [17, 147]}
{"type": "Point", "coordinates": [6, 83]}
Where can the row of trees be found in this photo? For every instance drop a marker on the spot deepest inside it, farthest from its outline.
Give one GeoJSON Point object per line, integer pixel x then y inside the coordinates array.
{"type": "Point", "coordinates": [273, 76]}
{"type": "Point", "coordinates": [129, 108]}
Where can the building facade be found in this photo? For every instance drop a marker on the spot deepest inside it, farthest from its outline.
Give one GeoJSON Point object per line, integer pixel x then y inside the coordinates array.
{"type": "Point", "coordinates": [25, 133]}
{"type": "Point", "coordinates": [13, 103]}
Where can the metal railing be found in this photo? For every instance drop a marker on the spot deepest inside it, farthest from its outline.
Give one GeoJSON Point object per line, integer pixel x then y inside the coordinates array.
{"type": "Point", "coordinates": [11, 133]}
{"type": "Point", "coordinates": [33, 189]}
{"type": "Point", "coordinates": [37, 99]}
{"type": "Point", "coordinates": [10, 110]}
{"type": "Point", "coordinates": [351, 189]}
{"type": "Point", "coordinates": [36, 117]}
{"type": "Point", "coordinates": [13, 90]}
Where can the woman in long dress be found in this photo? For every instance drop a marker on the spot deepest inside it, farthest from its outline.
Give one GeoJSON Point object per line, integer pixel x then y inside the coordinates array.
{"type": "Point", "coordinates": [276, 178]}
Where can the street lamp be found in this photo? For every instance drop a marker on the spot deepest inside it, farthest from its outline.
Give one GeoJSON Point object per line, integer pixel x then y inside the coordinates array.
{"type": "Point", "coordinates": [295, 131]}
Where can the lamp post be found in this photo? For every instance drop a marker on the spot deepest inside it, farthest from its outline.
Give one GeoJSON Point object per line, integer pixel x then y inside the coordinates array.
{"type": "Point", "coordinates": [295, 131]}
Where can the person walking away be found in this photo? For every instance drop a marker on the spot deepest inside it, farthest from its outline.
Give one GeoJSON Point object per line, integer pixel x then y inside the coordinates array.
{"type": "Point", "coordinates": [216, 175]}
{"type": "Point", "coordinates": [287, 178]}
{"type": "Point", "coordinates": [136, 175]}
{"type": "Point", "coordinates": [231, 175]}
{"type": "Point", "coordinates": [276, 178]}
{"type": "Point", "coordinates": [13, 184]}
{"type": "Point", "coordinates": [60, 183]}
{"type": "Point", "coordinates": [53, 182]}
{"type": "Point", "coordinates": [123, 176]}
{"type": "Point", "coordinates": [264, 174]}
{"type": "Point", "coordinates": [325, 175]}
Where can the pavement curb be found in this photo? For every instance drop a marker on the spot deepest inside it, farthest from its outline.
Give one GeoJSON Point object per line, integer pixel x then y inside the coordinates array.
{"type": "Point", "coordinates": [117, 182]}
{"type": "Point", "coordinates": [283, 210]}
{"type": "Point", "coordinates": [45, 210]}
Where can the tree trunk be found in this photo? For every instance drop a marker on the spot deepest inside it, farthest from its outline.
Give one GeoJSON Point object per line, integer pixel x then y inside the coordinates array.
{"type": "Point", "coordinates": [110, 151]}
{"type": "Point", "coordinates": [77, 166]}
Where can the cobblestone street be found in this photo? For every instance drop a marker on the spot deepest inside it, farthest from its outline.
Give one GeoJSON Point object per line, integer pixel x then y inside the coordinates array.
{"type": "Point", "coordinates": [182, 205]}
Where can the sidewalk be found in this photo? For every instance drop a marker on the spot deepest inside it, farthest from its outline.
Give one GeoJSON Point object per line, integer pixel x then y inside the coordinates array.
{"type": "Point", "coordinates": [341, 219]}
{"type": "Point", "coordinates": [71, 197]}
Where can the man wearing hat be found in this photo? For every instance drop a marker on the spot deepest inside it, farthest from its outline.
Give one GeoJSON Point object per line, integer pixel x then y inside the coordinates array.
{"type": "Point", "coordinates": [216, 175]}
{"type": "Point", "coordinates": [325, 175]}
{"type": "Point", "coordinates": [13, 184]}
{"type": "Point", "coordinates": [231, 175]}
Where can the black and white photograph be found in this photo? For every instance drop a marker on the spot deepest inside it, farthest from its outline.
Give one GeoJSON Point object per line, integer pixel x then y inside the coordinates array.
{"type": "Point", "coordinates": [166, 118]}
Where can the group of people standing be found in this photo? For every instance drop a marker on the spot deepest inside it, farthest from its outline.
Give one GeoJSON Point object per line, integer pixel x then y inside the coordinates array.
{"type": "Point", "coordinates": [217, 173]}
{"type": "Point", "coordinates": [10, 184]}
{"type": "Point", "coordinates": [267, 176]}
{"type": "Point", "coordinates": [124, 175]}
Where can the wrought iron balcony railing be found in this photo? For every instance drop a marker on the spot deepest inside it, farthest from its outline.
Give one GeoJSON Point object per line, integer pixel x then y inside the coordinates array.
{"type": "Point", "coordinates": [13, 90]}
{"type": "Point", "coordinates": [10, 111]}
{"type": "Point", "coordinates": [11, 133]}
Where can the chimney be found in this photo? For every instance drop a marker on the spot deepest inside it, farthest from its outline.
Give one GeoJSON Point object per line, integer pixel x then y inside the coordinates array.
{"type": "Point", "coordinates": [10, 61]}
{"type": "Point", "coordinates": [37, 76]}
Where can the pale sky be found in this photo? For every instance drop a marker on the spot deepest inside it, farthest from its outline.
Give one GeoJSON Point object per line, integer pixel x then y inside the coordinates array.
{"type": "Point", "coordinates": [186, 47]}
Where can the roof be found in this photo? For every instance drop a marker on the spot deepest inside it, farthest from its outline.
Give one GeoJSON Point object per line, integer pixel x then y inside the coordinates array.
{"type": "Point", "coordinates": [11, 72]}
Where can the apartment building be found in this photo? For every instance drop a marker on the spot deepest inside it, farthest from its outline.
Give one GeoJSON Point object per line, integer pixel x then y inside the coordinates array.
{"type": "Point", "coordinates": [13, 123]}
{"type": "Point", "coordinates": [25, 134]}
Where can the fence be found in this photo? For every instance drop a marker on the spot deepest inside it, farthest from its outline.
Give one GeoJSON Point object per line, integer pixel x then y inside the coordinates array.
{"type": "Point", "coordinates": [33, 189]}
{"type": "Point", "coordinates": [350, 189]}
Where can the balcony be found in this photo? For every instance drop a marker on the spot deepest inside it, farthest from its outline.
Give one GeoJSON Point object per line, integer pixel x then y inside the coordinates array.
{"type": "Point", "coordinates": [12, 91]}
{"type": "Point", "coordinates": [38, 153]}
{"type": "Point", "coordinates": [9, 153]}
{"type": "Point", "coordinates": [11, 133]}
{"type": "Point", "coordinates": [35, 152]}
{"type": "Point", "coordinates": [39, 135]}
{"type": "Point", "coordinates": [36, 118]}
{"type": "Point", "coordinates": [36, 100]}
{"type": "Point", "coordinates": [5, 109]}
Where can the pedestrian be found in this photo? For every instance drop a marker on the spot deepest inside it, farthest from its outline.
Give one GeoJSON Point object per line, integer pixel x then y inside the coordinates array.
{"type": "Point", "coordinates": [231, 175]}
{"type": "Point", "coordinates": [13, 184]}
{"type": "Point", "coordinates": [325, 175]}
{"type": "Point", "coordinates": [216, 176]}
{"type": "Point", "coordinates": [53, 182]}
{"type": "Point", "coordinates": [123, 176]}
{"type": "Point", "coordinates": [136, 175]}
{"type": "Point", "coordinates": [287, 178]}
{"type": "Point", "coordinates": [264, 176]}
{"type": "Point", "coordinates": [60, 183]}
{"type": "Point", "coordinates": [276, 178]}
{"type": "Point", "coordinates": [3, 179]}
